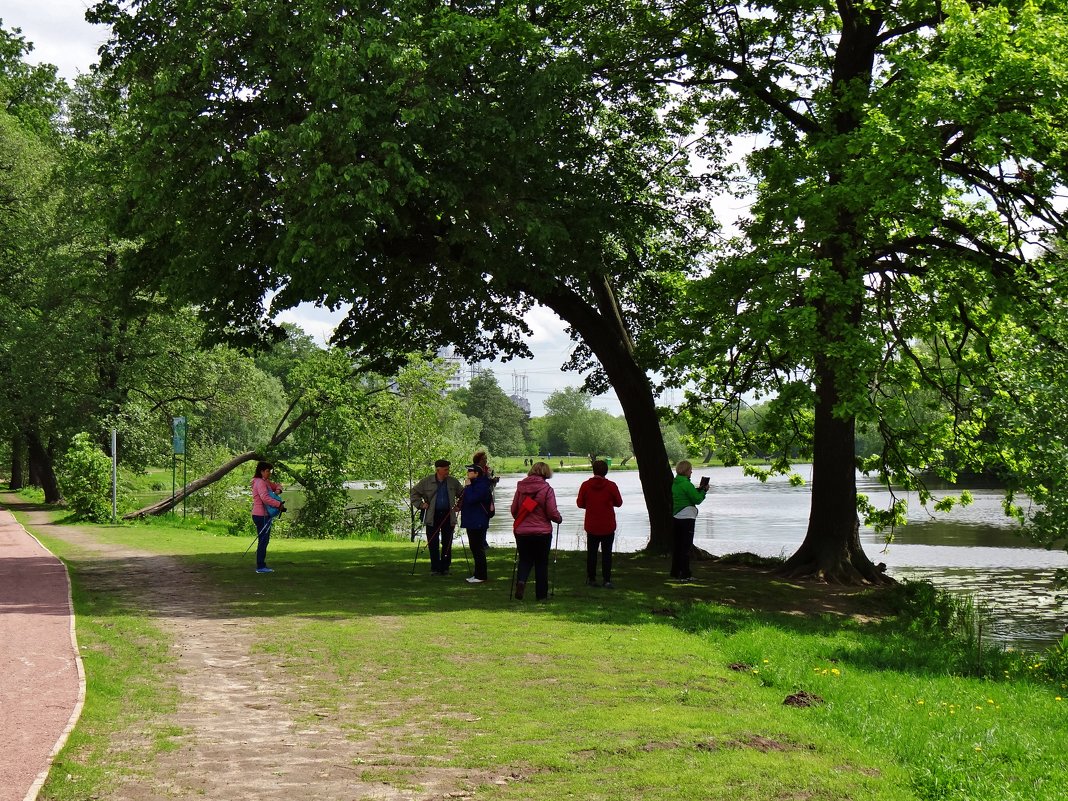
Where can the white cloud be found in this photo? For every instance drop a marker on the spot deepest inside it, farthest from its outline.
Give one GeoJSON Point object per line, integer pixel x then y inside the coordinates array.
{"type": "Point", "coordinates": [58, 31]}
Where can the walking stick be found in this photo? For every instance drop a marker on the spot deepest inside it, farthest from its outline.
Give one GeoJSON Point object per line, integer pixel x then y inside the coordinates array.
{"type": "Point", "coordinates": [259, 533]}
{"type": "Point", "coordinates": [418, 545]}
{"type": "Point", "coordinates": [515, 564]}
{"type": "Point", "coordinates": [460, 537]}
{"type": "Point", "coordinates": [552, 572]}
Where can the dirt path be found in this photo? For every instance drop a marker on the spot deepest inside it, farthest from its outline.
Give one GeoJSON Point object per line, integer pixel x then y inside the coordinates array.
{"type": "Point", "coordinates": [244, 730]}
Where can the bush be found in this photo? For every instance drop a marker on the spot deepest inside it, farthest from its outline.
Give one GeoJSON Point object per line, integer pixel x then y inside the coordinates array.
{"type": "Point", "coordinates": [84, 474]}
{"type": "Point", "coordinates": [374, 517]}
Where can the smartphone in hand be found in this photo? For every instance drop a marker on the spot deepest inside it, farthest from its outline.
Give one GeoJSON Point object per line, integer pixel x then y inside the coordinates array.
{"type": "Point", "coordinates": [704, 483]}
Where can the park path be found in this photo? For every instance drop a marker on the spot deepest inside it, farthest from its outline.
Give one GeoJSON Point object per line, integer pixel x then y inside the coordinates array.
{"type": "Point", "coordinates": [41, 680]}
{"type": "Point", "coordinates": [243, 729]}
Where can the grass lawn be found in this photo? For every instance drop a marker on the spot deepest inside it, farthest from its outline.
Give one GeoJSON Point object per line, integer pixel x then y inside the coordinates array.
{"type": "Point", "coordinates": [653, 690]}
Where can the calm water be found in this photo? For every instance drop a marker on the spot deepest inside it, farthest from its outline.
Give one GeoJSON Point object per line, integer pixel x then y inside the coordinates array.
{"type": "Point", "coordinates": [973, 550]}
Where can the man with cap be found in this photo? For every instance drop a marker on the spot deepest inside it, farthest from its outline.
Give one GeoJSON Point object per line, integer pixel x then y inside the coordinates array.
{"type": "Point", "coordinates": [436, 496]}
{"type": "Point", "coordinates": [476, 504]}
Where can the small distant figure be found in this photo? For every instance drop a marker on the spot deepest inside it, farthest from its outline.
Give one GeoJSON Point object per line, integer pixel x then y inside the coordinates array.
{"type": "Point", "coordinates": [561, 462]}
{"type": "Point", "coordinates": [534, 511]}
{"type": "Point", "coordinates": [266, 505]}
{"type": "Point", "coordinates": [436, 495]}
{"type": "Point", "coordinates": [599, 497]}
{"type": "Point", "coordinates": [475, 502]}
{"type": "Point", "coordinates": [685, 497]}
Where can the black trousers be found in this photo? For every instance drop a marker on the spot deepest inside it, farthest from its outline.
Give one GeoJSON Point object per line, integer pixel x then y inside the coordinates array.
{"type": "Point", "coordinates": [534, 553]}
{"type": "Point", "coordinates": [440, 544]}
{"type": "Point", "coordinates": [682, 545]}
{"type": "Point", "coordinates": [604, 542]}
{"type": "Point", "coordinates": [476, 538]}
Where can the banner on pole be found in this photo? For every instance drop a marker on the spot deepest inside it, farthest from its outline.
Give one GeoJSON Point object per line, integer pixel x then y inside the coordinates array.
{"type": "Point", "coordinates": [178, 435]}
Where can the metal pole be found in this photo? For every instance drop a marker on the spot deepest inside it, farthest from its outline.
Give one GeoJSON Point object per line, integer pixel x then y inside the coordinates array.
{"type": "Point", "coordinates": [114, 475]}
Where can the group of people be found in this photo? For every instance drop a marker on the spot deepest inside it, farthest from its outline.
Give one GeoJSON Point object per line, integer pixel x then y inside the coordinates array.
{"type": "Point", "coordinates": [440, 497]}
{"type": "Point", "coordinates": [534, 510]}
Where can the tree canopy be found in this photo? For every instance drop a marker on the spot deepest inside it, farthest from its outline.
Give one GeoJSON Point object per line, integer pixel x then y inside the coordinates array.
{"type": "Point", "coordinates": [905, 181]}
{"type": "Point", "coordinates": [406, 160]}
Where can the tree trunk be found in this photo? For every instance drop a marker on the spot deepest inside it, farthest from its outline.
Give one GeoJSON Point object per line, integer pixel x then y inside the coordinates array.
{"type": "Point", "coordinates": [831, 550]}
{"type": "Point", "coordinates": [41, 468]}
{"type": "Point", "coordinates": [606, 336]}
{"type": "Point", "coordinates": [18, 460]}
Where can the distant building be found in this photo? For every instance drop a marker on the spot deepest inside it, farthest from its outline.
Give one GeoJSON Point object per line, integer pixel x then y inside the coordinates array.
{"type": "Point", "coordinates": [461, 377]}
{"type": "Point", "coordinates": [521, 402]}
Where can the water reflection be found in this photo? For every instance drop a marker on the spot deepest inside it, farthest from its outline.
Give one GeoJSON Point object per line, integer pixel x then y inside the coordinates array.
{"type": "Point", "coordinates": [973, 549]}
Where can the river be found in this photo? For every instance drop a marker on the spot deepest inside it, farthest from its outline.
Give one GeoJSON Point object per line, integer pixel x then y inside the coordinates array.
{"type": "Point", "coordinates": [972, 549]}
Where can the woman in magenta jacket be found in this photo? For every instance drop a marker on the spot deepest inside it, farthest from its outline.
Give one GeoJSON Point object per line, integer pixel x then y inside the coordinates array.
{"type": "Point", "coordinates": [262, 487]}
{"type": "Point", "coordinates": [599, 497]}
{"type": "Point", "coordinates": [534, 529]}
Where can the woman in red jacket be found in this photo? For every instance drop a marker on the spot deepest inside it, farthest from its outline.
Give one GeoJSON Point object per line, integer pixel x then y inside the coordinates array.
{"type": "Point", "coordinates": [599, 497]}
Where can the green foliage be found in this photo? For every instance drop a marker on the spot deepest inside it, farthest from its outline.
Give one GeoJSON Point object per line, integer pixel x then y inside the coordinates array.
{"type": "Point", "coordinates": [84, 475]}
{"type": "Point", "coordinates": [376, 518]}
{"type": "Point", "coordinates": [221, 499]}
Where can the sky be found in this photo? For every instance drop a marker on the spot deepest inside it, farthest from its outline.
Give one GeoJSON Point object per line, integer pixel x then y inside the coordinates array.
{"type": "Point", "coordinates": [61, 36]}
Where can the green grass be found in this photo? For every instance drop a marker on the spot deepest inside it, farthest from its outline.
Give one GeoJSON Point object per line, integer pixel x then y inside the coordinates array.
{"type": "Point", "coordinates": [652, 691]}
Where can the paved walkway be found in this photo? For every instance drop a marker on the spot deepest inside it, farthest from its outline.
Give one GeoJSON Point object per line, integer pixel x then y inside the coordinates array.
{"type": "Point", "coordinates": [41, 680]}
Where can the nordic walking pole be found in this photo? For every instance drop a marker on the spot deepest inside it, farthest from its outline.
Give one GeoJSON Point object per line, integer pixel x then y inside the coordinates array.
{"type": "Point", "coordinates": [418, 545]}
{"type": "Point", "coordinates": [259, 533]}
{"type": "Point", "coordinates": [552, 572]}
{"type": "Point", "coordinates": [460, 537]}
{"type": "Point", "coordinates": [515, 563]}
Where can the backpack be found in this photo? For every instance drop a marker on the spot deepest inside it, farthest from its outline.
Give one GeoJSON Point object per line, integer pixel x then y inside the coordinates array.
{"type": "Point", "coordinates": [274, 511]}
{"type": "Point", "coordinates": [527, 506]}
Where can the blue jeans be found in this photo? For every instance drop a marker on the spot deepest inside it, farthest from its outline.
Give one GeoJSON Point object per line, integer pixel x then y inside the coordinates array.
{"type": "Point", "coordinates": [263, 532]}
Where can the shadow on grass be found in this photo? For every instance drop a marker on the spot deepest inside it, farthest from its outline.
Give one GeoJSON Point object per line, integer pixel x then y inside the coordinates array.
{"type": "Point", "coordinates": [338, 580]}
{"type": "Point", "coordinates": [344, 578]}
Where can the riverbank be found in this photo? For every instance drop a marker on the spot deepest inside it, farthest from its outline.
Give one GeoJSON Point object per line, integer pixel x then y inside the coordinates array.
{"type": "Point", "coordinates": [344, 675]}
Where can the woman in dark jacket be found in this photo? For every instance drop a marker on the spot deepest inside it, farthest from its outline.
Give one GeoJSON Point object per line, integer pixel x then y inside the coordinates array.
{"type": "Point", "coordinates": [475, 505]}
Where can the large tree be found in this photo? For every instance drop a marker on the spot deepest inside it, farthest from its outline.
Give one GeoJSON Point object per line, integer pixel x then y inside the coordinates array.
{"type": "Point", "coordinates": [410, 158]}
{"type": "Point", "coordinates": [904, 173]}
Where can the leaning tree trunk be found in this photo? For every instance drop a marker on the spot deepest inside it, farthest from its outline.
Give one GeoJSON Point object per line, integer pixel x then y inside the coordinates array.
{"type": "Point", "coordinates": [604, 332]}
{"type": "Point", "coordinates": [164, 506]}
{"type": "Point", "coordinates": [280, 434]}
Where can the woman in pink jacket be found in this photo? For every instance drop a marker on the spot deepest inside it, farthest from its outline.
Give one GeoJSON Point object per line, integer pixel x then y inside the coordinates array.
{"type": "Point", "coordinates": [262, 487]}
{"type": "Point", "coordinates": [533, 528]}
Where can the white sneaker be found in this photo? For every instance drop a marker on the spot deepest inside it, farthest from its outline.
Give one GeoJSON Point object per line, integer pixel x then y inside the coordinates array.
{"type": "Point", "coordinates": [473, 580]}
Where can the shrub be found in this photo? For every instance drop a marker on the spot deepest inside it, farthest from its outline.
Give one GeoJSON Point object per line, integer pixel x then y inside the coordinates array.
{"type": "Point", "coordinates": [376, 517]}
{"type": "Point", "coordinates": [84, 474]}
